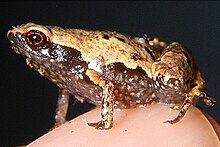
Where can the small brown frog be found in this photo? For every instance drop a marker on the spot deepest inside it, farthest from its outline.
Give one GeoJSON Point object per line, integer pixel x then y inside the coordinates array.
{"type": "Point", "coordinates": [110, 69]}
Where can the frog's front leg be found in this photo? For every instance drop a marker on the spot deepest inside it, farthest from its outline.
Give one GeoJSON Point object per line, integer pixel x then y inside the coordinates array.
{"type": "Point", "coordinates": [107, 105]}
{"type": "Point", "coordinates": [62, 106]}
{"type": "Point", "coordinates": [177, 78]}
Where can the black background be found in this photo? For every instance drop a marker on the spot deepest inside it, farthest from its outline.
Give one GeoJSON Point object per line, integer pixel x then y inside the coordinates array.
{"type": "Point", "coordinates": [28, 100]}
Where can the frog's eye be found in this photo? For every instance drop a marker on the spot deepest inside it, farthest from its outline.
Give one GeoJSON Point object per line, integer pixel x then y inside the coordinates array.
{"type": "Point", "coordinates": [36, 38]}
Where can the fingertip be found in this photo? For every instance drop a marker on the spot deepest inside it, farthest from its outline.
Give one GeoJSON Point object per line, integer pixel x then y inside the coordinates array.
{"type": "Point", "coordinates": [134, 127]}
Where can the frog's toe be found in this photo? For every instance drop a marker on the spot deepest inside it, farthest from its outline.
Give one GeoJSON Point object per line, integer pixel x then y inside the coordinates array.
{"type": "Point", "coordinates": [100, 125]}
{"type": "Point", "coordinates": [210, 101]}
{"type": "Point", "coordinates": [173, 121]}
{"type": "Point", "coordinates": [176, 108]}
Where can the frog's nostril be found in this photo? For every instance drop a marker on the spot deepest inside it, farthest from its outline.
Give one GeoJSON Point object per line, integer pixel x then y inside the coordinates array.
{"type": "Point", "coordinates": [15, 35]}
{"type": "Point", "coordinates": [18, 35]}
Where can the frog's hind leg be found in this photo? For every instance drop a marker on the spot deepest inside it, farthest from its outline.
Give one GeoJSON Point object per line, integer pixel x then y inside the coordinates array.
{"type": "Point", "coordinates": [192, 97]}
{"type": "Point", "coordinates": [178, 78]}
{"type": "Point", "coordinates": [107, 105]}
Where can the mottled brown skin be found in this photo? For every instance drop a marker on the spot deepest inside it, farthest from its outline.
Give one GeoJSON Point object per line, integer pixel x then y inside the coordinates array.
{"type": "Point", "coordinates": [110, 69]}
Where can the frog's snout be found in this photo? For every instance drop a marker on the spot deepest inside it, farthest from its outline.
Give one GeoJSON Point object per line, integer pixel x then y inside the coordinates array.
{"type": "Point", "coordinates": [9, 33]}
{"type": "Point", "coordinates": [13, 32]}
{"type": "Point", "coordinates": [11, 36]}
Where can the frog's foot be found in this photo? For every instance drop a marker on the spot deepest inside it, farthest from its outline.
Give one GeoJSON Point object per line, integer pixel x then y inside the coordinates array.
{"type": "Point", "coordinates": [187, 103]}
{"type": "Point", "coordinates": [101, 125]}
{"type": "Point", "coordinates": [210, 101]}
{"type": "Point", "coordinates": [56, 125]}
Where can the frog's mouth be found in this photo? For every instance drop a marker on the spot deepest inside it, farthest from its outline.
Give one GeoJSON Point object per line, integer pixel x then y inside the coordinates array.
{"type": "Point", "coordinates": [33, 64]}
{"type": "Point", "coordinates": [18, 47]}
{"type": "Point", "coordinates": [18, 44]}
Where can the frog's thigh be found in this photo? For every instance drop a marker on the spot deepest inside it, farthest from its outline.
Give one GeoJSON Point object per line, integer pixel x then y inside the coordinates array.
{"type": "Point", "coordinates": [107, 105]}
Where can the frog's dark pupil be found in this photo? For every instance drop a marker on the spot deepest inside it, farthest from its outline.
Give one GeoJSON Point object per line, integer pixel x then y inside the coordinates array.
{"type": "Point", "coordinates": [34, 38]}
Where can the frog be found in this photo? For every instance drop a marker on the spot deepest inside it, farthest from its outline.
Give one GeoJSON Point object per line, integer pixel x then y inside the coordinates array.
{"type": "Point", "coordinates": [111, 70]}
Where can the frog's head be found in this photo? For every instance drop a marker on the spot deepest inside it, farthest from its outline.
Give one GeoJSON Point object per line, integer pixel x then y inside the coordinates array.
{"type": "Point", "coordinates": [31, 40]}
{"type": "Point", "coordinates": [38, 44]}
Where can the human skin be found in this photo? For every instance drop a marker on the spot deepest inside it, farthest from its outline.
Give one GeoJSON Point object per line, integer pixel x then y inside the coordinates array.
{"type": "Point", "coordinates": [136, 127]}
